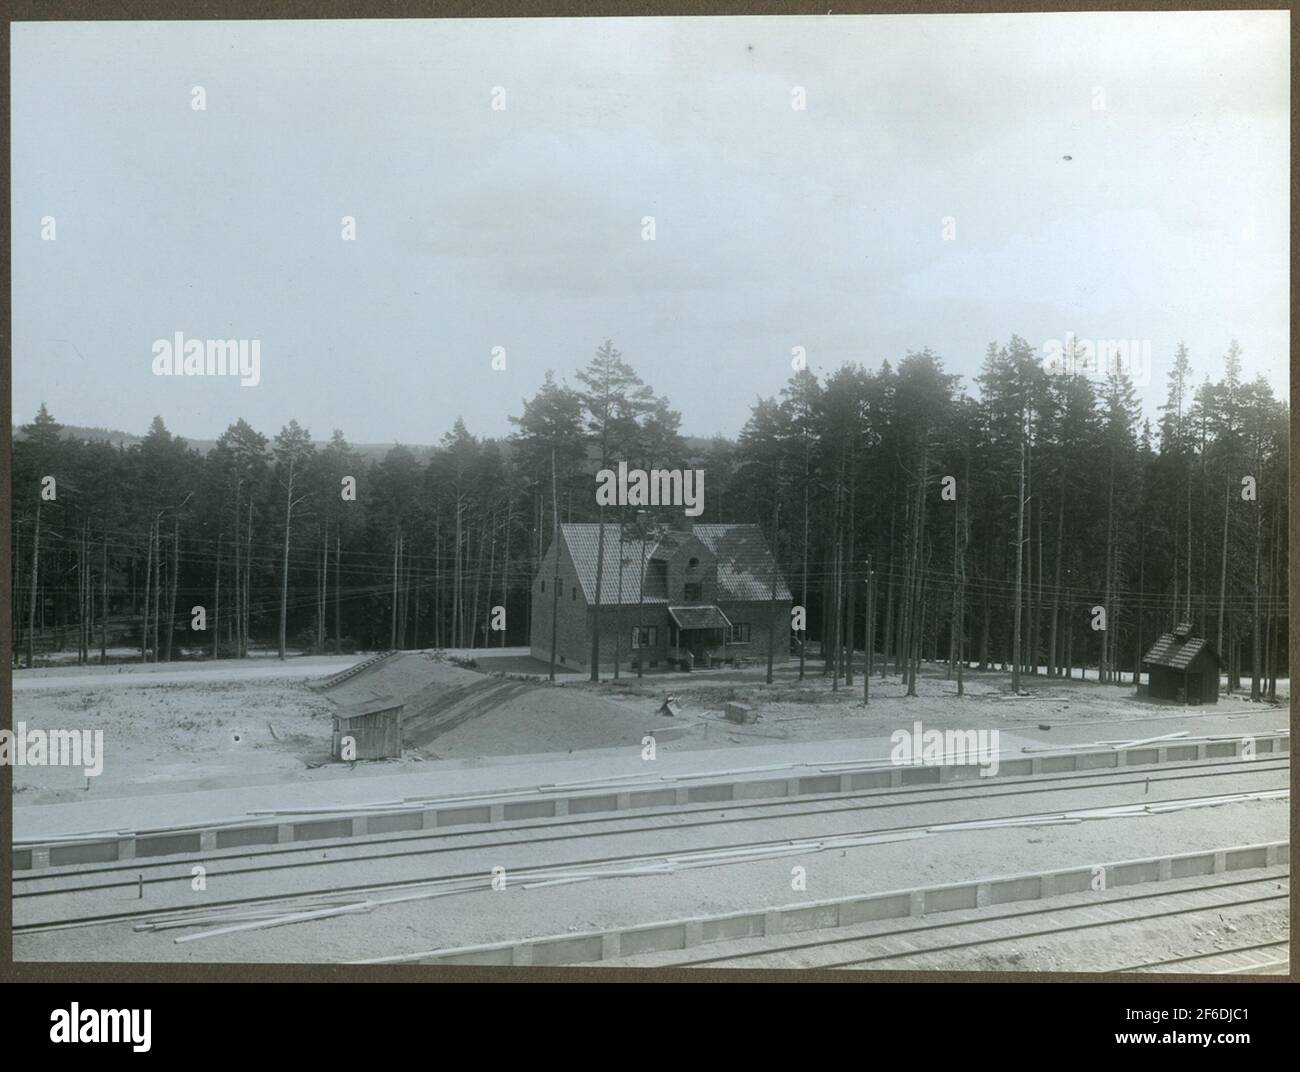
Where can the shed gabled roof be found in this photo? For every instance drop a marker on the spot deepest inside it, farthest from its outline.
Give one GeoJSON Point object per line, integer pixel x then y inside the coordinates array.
{"type": "Point", "coordinates": [745, 565]}
{"type": "Point", "coordinates": [1176, 654]}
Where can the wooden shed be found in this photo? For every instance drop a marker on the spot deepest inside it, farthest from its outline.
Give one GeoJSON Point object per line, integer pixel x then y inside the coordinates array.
{"type": "Point", "coordinates": [1182, 668]}
{"type": "Point", "coordinates": [375, 727]}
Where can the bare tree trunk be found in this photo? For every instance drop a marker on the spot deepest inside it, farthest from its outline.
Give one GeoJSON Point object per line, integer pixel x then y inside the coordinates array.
{"type": "Point", "coordinates": [1223, 579]}
{"type": "Point", "coordinates": [1020, 566]}
{"type": "Point", "coordinates": [1189, 547]}
{"type": "Point", "coordinates": [961, 590]}
{"type": "Point", "coordinates": [1069, 644]}
{"type": "Point", "coordinates": [1276, 574]}
{"type": "Point", "coordinates": [215, 624]}
{"type": "Point", "coordinates": [457, 588]}
{"type": "Point", "coordinates": [600, 580]}
{"type": "Point", "coordinates": [902, 654]}
{"type": "Point", "coordinates": [397, 543]}
{"type": "Point", "coordinates": [148, 580]}
{"type": "Point", "coordinates": [555, 583]}
{"type": "Point", "coordinates": [618, 606]}
{"type": "Point", "coordinates": [157, 586]}
{"type": "Point", "coordinates": [851, 586]}
{"type": "Point", "coordinates": [103, 609]}
{"type": "Point", "coordinates": [81, 598]}
{"type": "Point", "coordinates": [505, 574]}
{"type": "Point", "coordinates": [986, 628]}
{"type": "Point", "coordinates": [238, 620]}
{"type": "Point", "coordinates": [175, 578]}
{"type": "Point", "coordinates": [406, 595]}
{"type": "Point", "coordinates": [914, 648]}
{"type": "Point", "coordinates": [437, 581]}
{"type": "Point", "coordinates": [322, 644]}
{"type": "Point", "coordinates": [492, 567]}
{"type": "Point", "coordinates": [803, 591]}
{"type": "Point", "coordinates": [1031, 641]}
{"type": "Point", "coordinates": [869, 641]}
{"type": "Point", "coordinates": [837, 615]}
{"type": "Point", "coordinates": [889, 605]}
{"type": "Point", "coordinates": [772, 620]}
{"type": "Point", "coordinates": [245, 639]}
{"type": "Point", "coordinates": [1103, 667]}
{"type": "Point", "coordinates": [415, 618]}
{"type": "Point", "coordinates": [1054, 653]}
{"type": "Point", "coordinates": [1137, 616]}
{"type": "Point", "coordinates": [1256, 648]}
{"type": "Point", "coordinates": [284, 578]}
{"type": "Point", "coordinates": [954, 630]}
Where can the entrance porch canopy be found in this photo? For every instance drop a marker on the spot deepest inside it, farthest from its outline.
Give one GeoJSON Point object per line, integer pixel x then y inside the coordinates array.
{"type": "Point", "coordinates": [699, 618]}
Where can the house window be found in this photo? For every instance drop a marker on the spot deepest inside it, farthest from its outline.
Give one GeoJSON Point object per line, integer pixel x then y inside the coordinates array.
{"type": "Point", "coordinates": [692, 563]}
{"type": "Point", "coordinates": [543, 586]}
{"type": "Point", "coordinates": [645, 637]}
{"type": "Point", "coordinates": [740, 632]}
{"type": "Point", "coordinates": [575, 594]}
{"type": "Point", "coordinates": [691, 593]}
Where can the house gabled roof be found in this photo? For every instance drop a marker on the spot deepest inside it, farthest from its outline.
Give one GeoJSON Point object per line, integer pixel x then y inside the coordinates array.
{"type": "Point", "coordinates": [583, 541]}
{"type": "Point", "coordinates": [745, 565]}
{"type": "Point", "coordinates": [1178, 654]}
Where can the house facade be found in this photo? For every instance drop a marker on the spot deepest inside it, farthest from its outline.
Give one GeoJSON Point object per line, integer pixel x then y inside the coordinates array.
{"type": "Point", "coordinates": [693, 596]}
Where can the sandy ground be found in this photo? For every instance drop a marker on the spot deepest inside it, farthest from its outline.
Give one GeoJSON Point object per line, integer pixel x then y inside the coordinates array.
{"type": "Point", "coordinates": [205, 736]}
{"type": "Point", "coordinates": [184, 727]}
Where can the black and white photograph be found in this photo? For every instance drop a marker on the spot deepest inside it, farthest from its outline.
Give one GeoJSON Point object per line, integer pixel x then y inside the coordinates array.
{"type": "Point", "coordinates": [804, 493]}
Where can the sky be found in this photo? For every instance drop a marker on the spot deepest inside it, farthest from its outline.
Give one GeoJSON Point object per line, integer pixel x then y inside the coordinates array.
{"type": "Point", "coordinates": [951, 180]}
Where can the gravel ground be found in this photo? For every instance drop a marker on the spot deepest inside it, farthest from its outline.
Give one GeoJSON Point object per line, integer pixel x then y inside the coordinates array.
{"type": "Point", "coordinates": [514, 912]}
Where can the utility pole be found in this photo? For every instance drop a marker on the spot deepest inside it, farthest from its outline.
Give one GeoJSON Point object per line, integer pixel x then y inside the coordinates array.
{"type": "Point", "coordinates": [148, 579]}
{"type": "Point", "coordinates": [1020, 562]}
{"type": "Point", "coordinates": [397, 542]}
{"type": "Point", "coordinates": [772, 623]}
{"type": "Point", "coordinates": [642, 520]}
{"type": "Point", "coordinates": [870, 639]}
{"type": "Point", "coordinates": [555, 585]}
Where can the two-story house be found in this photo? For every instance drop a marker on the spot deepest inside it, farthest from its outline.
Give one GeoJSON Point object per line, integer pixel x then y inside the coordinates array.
{"type": "Point", "coordinates": [700, 594]}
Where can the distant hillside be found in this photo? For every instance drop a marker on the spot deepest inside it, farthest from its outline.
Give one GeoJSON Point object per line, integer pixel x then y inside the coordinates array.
{"type": "Point", "coordinates": [695, 445]}
{"type": "Point", "coordinates": [126, 439]}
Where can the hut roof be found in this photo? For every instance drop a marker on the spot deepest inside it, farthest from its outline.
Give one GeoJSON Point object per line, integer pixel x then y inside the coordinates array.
{"type": "Point", "coordinates": [1178, 653]}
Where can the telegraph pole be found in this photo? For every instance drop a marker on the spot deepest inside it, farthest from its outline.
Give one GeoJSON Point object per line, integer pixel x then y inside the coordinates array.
{"type": "Point", "coordinates": [772, 623]}
{"type": "Point", "coordinates": [555, 585]}
{"type": "Point", "coordinates": [1020, 562]}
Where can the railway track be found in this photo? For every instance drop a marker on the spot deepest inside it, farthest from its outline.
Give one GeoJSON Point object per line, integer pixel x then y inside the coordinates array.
{"type": "Point", "coordinates": [931, 945]}
{"type": "Point", "coordinates": [1264, 958]}
{"type": "Point", "coordinates": [290, 855]}
{"type": "Point", "coordinates": [479, 879]}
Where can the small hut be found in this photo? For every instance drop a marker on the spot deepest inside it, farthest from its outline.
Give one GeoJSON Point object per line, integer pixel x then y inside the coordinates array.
{"type": "Point", "coordinates": [1182, 668]}
{"type": "Point", "coordinates": [374, 726]}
